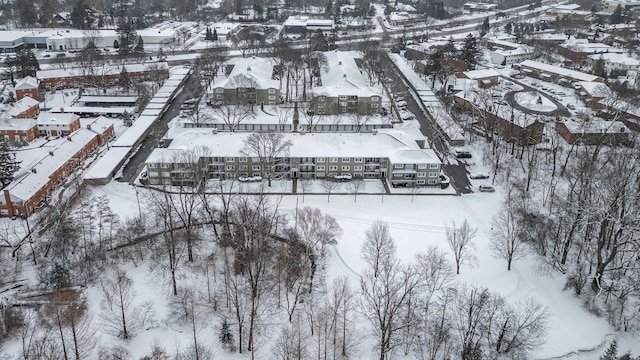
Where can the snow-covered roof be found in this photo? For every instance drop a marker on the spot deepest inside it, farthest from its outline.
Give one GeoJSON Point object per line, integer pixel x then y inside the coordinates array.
{"type": "Point", "coordinates": [481, 74]}
{"type": "Point", "coordinates": [17, 124]}
{"type": "Point", "coordinates": [595, 126]}
{"type": "Point", "coordinates": [27, 82]}
{"type": "Point", "coordinates": [107, 99]}
{"type": "Point", "coordinates": [47, 118]}
{"type": "Point", "coordinates": [621, 59]}
{"type": "Point", "coordinates": [578, 75]}
{"type": "Point", "coordinates": [595, 89]}
{"type": "Point", "coordinates": [27, 183]}
{"type": "Point", "coordinates": [383, 145]}
{"type": "Point", "coordinates": [253, 72]}
{"type": "Point", "coordinates": [6, 36]}
{"type": "Point", "coordinates": [98, 124]}
{"type": "Point", "coordinates": [586, 47]}
{"type": "Point", "coordinates": [341, 76]}
{"type": "Point", "coordinates": [22, 105]}
{"type": "Point", "coordinates": [567, 7]}
{"type": "Point", "coordinates": [101, 70]}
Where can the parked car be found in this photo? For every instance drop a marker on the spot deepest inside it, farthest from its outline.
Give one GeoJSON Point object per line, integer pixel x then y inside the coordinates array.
{"type": "Point", "coordinates": [462, 154]}
{"type": "Point", "coordinates": [250, 178]}
{"type": "Point", "coordinates": [479, 176]}
{"type": "Point", "coordinates": [486, 188]}
{"type": "Point", "coordinates": [401, 104]}
{"type": "Point", "coordinates": [342, 177]}
{"type": "Point", "coordinates": [396, 184]}
{"type": "Point", "coordinates": [571, 107]}
{"type": "Point", "coordinates": [61, 55]}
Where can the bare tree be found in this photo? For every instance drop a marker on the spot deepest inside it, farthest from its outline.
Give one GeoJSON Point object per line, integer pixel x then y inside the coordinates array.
{"type": "Point", "coordinates": [118, 313]}
{"type": "Point", "coordinates": [356, 185]}
{"type": "Point", "coordinates": [387, 287]}
{"type": "Point", "coordinates": [305, 186]}
{"type": "Point", "coordinates": [328, 186]}
{"type": "Point", "coordinates": [267, 147]}
{"type": "Point", "coordinates": [507, 240]}
{"type": "Point", "coordinates": [460, 240]}
{"type": "Point", "coordinates": [284, 115]}
{"type": "Point", "coordinates": [311, 118]}
{"type": "Point", "coordinates": [232, 115]}
{"type": "Point", "coordinates": [291, 344]}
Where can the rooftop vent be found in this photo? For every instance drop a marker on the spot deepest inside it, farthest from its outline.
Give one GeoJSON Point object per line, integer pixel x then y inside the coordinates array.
{"type": "Point", "coordinates": [33, 170]}
{"type": "Point", "coordinates": [248, 68]}
{"type": "Point", "coordinates": [51, 153]}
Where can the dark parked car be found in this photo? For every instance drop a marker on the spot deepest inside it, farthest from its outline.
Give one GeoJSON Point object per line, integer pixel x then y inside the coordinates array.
{"type": "Point", "coordinates": [463, 154]}
{"type": "Point", "coordinates": [479, 176]}
{"type": "Point", "coordinates": [486, 188]}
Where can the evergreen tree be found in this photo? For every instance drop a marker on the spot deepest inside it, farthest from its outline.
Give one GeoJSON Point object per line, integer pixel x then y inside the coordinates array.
{"type": "Point", "coordinates": [125, 80]}
{"type": "Point", "coordinates": [617, 16]}
{"type": "Point", "coordinates": [161, 55]}
{"type": "Point", "coordinates": [127, 37]}
{"type": "Point", "coordinates": [485, 26]}
{"type": "Point", "coordinates": [226, 337]}
{"type": "Point", "coordinates": [599, 68]}
{"type": "Point", "coordinates": [27, 14]}
{"type": "Point", "coordinates": [207, 35]}
{"type": "Point", "coordinates": [470, 51]}
{"type": "Point", "coordinates": [82, 15]}
{"type": "Point", "coordinates": [612, 351]}
{"type": "Point", "coordinates": [140, 45]}
{"type": "Point", "coordinates": [8, 163]}
{"type": "Point", "coordinates": [47, 10]}
{"type": "Point", "coordinates": [214, 36]}
{"type": "Point", "coordinates": [508, 28]}
{"type": "Point", "coordinates": [23, 64]}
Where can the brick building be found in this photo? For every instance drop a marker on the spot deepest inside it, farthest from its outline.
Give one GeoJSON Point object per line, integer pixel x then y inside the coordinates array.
{"type": "Point", "coordinates": [27, 86]}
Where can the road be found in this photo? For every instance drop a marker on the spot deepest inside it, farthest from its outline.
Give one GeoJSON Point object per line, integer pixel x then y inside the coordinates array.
{"type": "Point", "coordinates": [400, 88]}
{"type": "Point", "coordinates": [133, 167]}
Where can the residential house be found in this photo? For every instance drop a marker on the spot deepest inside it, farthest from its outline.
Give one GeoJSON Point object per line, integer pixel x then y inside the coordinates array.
{"type": "Point", "coordinates": [24, 108]}
{"type": "Point", "coordinates": [19, 130]}
{"type": "Point", "coordinates": [43, 169]}
{"type": "Point", "coordinates": [595, 131]}
{"type": "Point", "coordinates": [500, 118]}
{"type": "Point", "coordinates": [103, 76]}
{"type": "Point", "coordinates": [618, 63]}
{"type": "Point", "coordinates": [484, 77]}
{"type": "Point", "coordinates": [249, 81]}
{"type": "Point", "coordinates": [592, 92]}
{"type": "Point", "coordinates": [53, 124]}
{"type": "Point", "coordinates": [580, 49]}
{"type": "Point", "coordinates": [556, 74]}
{"type": "Point", "coordinates": [27, 86]}
{"type": "Point", "coordinates": [343, 89]}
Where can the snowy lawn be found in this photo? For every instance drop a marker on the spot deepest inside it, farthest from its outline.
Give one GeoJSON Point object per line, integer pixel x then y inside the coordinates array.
{"type": "Point", "coordinates": [415, 224]}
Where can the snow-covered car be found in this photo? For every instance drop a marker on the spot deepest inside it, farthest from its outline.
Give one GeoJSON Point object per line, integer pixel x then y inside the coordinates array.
{"type": "Point", "coordinates": [479, 176]}
{"type": "Point", "coordinates": [342, 177]}
{"type": "Point", "coordinates": [486, 188]}
{"type": "Point", "coordinates": [250, 178]}
{"type": "Point", "coordinates": [406, 115]}
{"type": "Point", "coordinates": [401, 104]}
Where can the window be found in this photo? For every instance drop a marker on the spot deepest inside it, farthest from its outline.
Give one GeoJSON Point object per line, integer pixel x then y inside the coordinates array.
{"type": "Point", "coordinates": [433, 174]}
{"type": "Point", "coordinates": [433, 166]}
{"type": "Point", "coordinates": [272, 91]}
{"type": "Point", "coordinates": [431, 182]}
{"type": "Point", "coordinates": [346, 168]}
{"type": "Point", "coordinates": [374, 106]}
{"type": "Point", "coordinates": [333, 160]}
{"type": "Point", "coordinates": [320, 159]}
{"type": "Point", "coordinates": [165, 174]}
{"type": "Point", "coordinates": [320, 167]}
{"type": "Point", "coordinates": [357, 168]}
{"type": "Point", "coordinates": [342, 97]}
{"type": "Point", "coordinates": [153, 165]}
{"type": "Point", "coordinates": [220, 91]}
{"type": "Point", "coordinates": [422, 174]}
{"type": "Point", "coordinates": [164, 166]}
{"type": "Point", "coordinates": [255, 159]}
{"type": "Point", "coordinates": [343, 103]}
{"type": "Point", "coordinates": [374, 99]}
{"type": "Point", "coordinates": [231, 167]}
{"type": "Point", "coordinates": [243, 167]}
{"type": "Point", "coordinates": [358, 160]}
{"type": "Point", "coordinates": [320, 175]}
{"type": "Point", "coordinates": [272, 102]}
{"type": "Point", "coordinates": [243, 159]}
{"type": "Point", "coordinates": [333, 168]}
{"type": "Point", "coordinates": [272, 97]}
{"type": "Point", "coordinates": [255, 167]}
{"type": "Point", "coordinates": [422, 166]}
{"type": "Point", "coordinates": [256, 174]}
{"type": "Point", "coordinates": [398, 166]}
{"type": "Point", "coordinates": [420, 182]}
{"type": "Point", "coordinates": [219, 97]}
{"type": "Point", "coordinates": [322, 98]}
{"type": "Point", "coordinates": [346, 160]}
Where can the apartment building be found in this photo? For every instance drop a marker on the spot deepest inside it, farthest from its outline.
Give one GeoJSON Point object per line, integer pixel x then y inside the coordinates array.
{"type": "Point", "coordinates": [389, 154]}
{"type": "Point", "coordinates": [249, 81]}
{"type": "Point", "coordinates": [343, 88]}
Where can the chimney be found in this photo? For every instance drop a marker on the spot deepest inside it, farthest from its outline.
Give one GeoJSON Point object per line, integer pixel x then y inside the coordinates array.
{"type": "Point", "coordinates": [248, 68]}
{"type": "Point", "coordinates": [89, 126]}
{"type": "Point", "coordinates": [33, 170]}
{"type": "Point", "coordinates": [51, 152]}
{"type": "Point", "coordinates": [61, 110]}
{"type": "Point", "coordinates": [68, 138]}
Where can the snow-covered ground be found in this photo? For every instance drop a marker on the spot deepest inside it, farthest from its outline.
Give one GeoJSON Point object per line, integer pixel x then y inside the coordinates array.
{"type": "Point", "coordinates": [415, 223]}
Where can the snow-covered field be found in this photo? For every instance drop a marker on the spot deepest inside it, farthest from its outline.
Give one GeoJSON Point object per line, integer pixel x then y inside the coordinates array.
{"type": "Point", "coordinates": [415, 224]}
